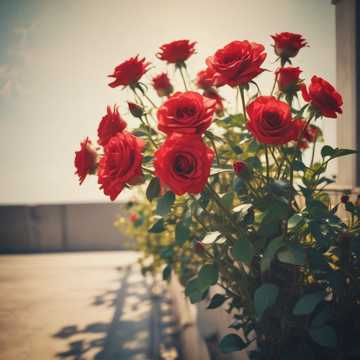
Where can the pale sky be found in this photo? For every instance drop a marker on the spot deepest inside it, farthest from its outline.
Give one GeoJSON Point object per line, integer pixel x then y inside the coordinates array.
{"type": "Point", "coordinates": [55, 57]}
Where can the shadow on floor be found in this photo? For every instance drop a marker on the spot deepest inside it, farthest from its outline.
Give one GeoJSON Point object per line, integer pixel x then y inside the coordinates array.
{"type": "Point", "coordinates": [142, 326]}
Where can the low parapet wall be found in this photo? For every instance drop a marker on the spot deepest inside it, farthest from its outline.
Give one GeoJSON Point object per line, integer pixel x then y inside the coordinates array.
{"type": "Point", "coordinates": [63, 227]}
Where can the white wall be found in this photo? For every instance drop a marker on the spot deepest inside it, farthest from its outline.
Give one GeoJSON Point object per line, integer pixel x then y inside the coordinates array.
{"type": "Point", "coordinates": [53, 85]}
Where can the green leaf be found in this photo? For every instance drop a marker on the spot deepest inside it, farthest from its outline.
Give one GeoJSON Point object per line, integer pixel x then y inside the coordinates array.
{"type": "Point", "coordinates": [216, 301]}
{"type": "Point", "coordinates": [334, 153]}
{"type": "Point", "coordinates": [292, 254]}
{"type": "Point", "coordinates": [208, 275]}
{"type": "Point", "coordinates": [232, 342]}
{"type": "Point", "coordinates": [211, 237]}
{"type": "Point", "coordinates": [265, 296]}
{"type": "Point", "coordinates": [327, 151]}
{"type": "Point", "coordinates": [295, 220]}
{"type": "Point", "coordinates": [243, 250]}
{"type": "Point", "coordinates": [166, 274]}
{"type": "Point", "coordinates": [227, 199]}
{"type": "Point", "coordinates": [324, 336]}
{"type": "Point", "coordinates": [193, 291]}
{"type": "Point", "coordinates": [271, 249]}
{"type": "Point", "coordinates": [299, 165]}
{"type": "Point", "coordinates": [164, 204]}
{"type": "Point", "coordinates": [182, 233]}
{"type": "Point", "coordinates": [158, 227]}
{"type": "Point", "coordinates": [321, 318]}
{"type": "Point", "coordinates": [307, 303]}
{"type": "Point", "coordinates": [153, 189]}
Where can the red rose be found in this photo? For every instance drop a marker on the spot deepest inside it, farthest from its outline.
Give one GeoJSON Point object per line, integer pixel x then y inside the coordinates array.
{"type": "Point", "coordinates": [287, 44]}
{"type": "Point", "coordinates": [205, 79]}
{"type": "Point", "coordinates": [305, 135]}
{"type": "Point", "coordinates": [85, 160]}
{"type": "Point", "coordinates": [129, 72]}
{"type": "Point", "coordinates": [183, 163]}
{"type": "Point", "coordinates": [237, 63]}
{"type": "Point", "coordinates": [176, 52]}
{"type": "Point", "coordinates": [214, 95]}
{"type": "Point", "coordinates": [270, 121]}
{"type": "Point", "coordinates": [161, 83]}
{"type": "Point", "coordinates": [240, 167]}
{"type": "Point", "coordinates": [187, 112]}
{"type": "Point", "coordinates": [121, 164]}
{"type": "Point", "coordinates": [323, 97]}
{"type": "Point", "coordinates": [288, 79]}
{"type": "Point", "coordinates": [111, 124]}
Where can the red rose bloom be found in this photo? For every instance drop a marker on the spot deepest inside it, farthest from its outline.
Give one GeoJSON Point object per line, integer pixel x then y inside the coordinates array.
{"type": "Point", "coordinates": [237, 63]}
{"type": "Point", "coordinates": [323, 97]}
{"type": "Point", "coordinates": [176, 52]}
{"type": "Point", "coordinates": [121, 163]}
{"type": "Point", "coordinates": [270, 121]}
{"type": "Point", "coordinates": [288, 79]}
{"type": "Point", "coordinates": [214, 95]}
{"type": "Point", "coordinates": [305, 135]}
{"type": "Point", "coordinates": [288, 44]}
{"type": "Point", "coordinates": [205, 79]}
{"type": "Point", "coordinates": [183, 163]}
{"type": "Point", "coordinates": [187, 112]}
{"type": "Point", "coordinates": [111, 124]}
{"type": "Point", "coordinates": [129, 72]}
{"type": "Point", "coordinates": [85, 160]}
{"type": "Point", "coordinates": [161, 83]}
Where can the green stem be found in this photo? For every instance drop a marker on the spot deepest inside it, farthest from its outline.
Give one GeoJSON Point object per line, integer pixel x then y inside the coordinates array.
{"type": "Point", "coordinates": [313, 153]}
{"type": "Point", "coordinates": [273, 88]}
{"type": "Point", "coordinates": [215, 149]}
{"type": "Point", "coordinates": [150, 101]}
{"type": "Point", "coordinates": [243, 102]}
{"type": "Point", "coordinates": [267, 163]}
{"type": "Point", "coordinates": [183, 78]}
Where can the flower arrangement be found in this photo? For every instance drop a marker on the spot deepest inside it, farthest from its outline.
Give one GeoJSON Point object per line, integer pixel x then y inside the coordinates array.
{"type": "Point", "coordinates": [234, 185]}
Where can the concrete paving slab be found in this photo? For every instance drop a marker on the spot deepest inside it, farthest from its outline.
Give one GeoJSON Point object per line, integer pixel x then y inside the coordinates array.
{"type": "Point", "coordinates": [82, 306]}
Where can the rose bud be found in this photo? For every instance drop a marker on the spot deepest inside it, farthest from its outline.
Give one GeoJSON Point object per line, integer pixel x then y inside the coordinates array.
{"type": "Point", "coordinates": [344, 198]}
{"type": "Point", "coordinates": [110, 124]}
{"type": "Point", "coordinates": [205, 79]}
{"type": "Point", "coordinates": [323, 97]}
{"type": "Point", "coordinates": [85, 160]}
{"type": "Point", "coordinates": [161, 84]}
{"type": "Point", "coordinates": [288, 79]}
{"type": "Point", "coordinates": [240, 167]}
{"type": "Point", "coordinates": [199, 247]}
{"type": "Point", "coordinates": [176, 52]}
{"type": "Point", "coordinates": [134, 217]}
{"type": "Point", "coordinates": [214, 95]}
{"type": "Point", "coordinates": [308, 134]}
{"type": "Point", "coordinates": [287, 45]}
{"type": "Point", "coordinates": [135, 110]}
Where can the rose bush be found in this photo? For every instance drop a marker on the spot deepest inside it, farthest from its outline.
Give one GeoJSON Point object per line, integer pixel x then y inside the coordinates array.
{"type": "Point", "coordinates": [232, 201]}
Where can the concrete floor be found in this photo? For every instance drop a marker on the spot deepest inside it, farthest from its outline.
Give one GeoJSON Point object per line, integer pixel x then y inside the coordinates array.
{"type": "Point", "coordinates": [82, 306]}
